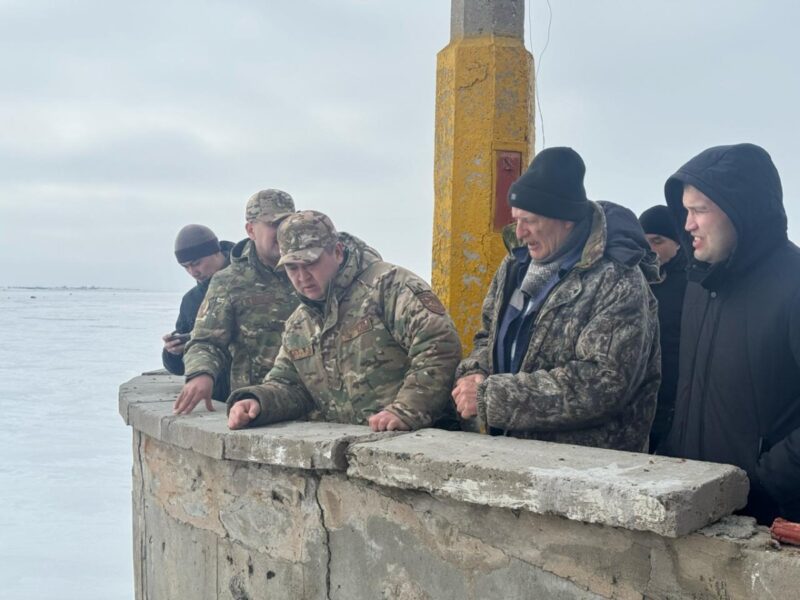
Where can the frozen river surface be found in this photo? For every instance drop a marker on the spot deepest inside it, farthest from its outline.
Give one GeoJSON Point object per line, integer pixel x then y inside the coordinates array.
{"type": "Point", "coordinates": [65, 453]}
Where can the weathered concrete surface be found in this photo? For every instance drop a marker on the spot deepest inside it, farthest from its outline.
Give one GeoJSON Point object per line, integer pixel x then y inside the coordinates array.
{"type": "Point", "coordinates": [473, 18]}
{"type": "Point", "coordinates": [412, 543]}
{"type": "Point", "coordinates": [269, 524]}
{"type": "Point", "coordinates": [224, 529]}
{"type": "Point", "coordinates": [299, 445]}
{"type": "Point", "coordinates": [668, 496]}
{"type": "Point", "coordinates": [153, 386]}
{"type": "Point", "coordinates": [293, 445]}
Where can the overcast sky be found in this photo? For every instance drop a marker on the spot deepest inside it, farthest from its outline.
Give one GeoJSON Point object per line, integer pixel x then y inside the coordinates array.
{"type": "Point", "coordinates": [123, 121]}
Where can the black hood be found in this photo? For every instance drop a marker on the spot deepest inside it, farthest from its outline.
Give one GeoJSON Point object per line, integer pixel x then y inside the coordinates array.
{"type": "Point", "coordinates": [742, 180]}
{"type": "Point", "coordinates": [625, 240]}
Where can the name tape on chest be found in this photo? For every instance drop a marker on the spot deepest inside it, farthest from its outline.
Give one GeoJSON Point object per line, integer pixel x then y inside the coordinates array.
{"type": "Point", "coordinates": [362, 326]}
{"type": "Point", "coordinates": [259, 300]}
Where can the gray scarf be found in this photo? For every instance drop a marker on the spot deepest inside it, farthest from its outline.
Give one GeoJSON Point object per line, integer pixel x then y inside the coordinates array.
{"type": "Point", "coordinates": [540, 272]}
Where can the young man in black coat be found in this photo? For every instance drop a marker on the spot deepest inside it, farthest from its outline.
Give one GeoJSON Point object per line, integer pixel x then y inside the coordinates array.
{"type": "Point", "coordinates": [664, 239]}
{"type": "Point", "coordinates": [197, 250]}
{"type": "Point", "coordinates": [739, 384]}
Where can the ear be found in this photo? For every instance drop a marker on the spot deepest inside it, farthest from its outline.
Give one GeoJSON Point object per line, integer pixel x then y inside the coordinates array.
{"type": "Point", "coordinates": [248, 227]}
{"type": "Point", "coordinates": [338, 252]}
{"type": "Point", "coordinates": [569, 225]}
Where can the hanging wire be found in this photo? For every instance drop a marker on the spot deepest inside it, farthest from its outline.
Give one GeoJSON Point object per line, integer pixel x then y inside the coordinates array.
{"type": "Point", "coordinates": [538, 70]}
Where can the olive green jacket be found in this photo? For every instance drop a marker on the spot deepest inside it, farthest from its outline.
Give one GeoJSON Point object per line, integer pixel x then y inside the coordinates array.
{"type": "Point", "coordinates": [382, 340]}
{"type": "Point", "coordinates": [241, 320]}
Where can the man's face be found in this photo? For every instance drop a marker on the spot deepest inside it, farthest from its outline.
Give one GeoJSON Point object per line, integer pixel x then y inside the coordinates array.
{"type": "Point", "coordinates": [664, 247]}
{"type": "Point", "coordinates": [312, 279]}
{"type": "Point", "coordinates": [713, 234]}
{"type": "Point", "coordinates": [542, 235]}
{"type": "Point", "coordinates": [203, 268]}
{"type": "Point", "coordinates": [264, 236]}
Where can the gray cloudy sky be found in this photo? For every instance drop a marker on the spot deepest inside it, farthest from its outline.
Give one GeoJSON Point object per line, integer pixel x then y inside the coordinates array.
{"type": "Point", "coordinates": [123, 121]}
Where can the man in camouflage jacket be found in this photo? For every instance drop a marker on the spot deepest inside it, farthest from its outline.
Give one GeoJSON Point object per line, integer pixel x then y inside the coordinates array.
{"type": "Point", "coordinates": [568, 350]}
{"type": "Point", "coordinates": [369, 344]}
{"type": "Point", "coordinates": [241, 318]}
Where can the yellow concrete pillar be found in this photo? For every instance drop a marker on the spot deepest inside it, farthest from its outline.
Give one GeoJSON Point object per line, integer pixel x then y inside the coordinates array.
{"type": "Point", "coordinates": [484, 140]}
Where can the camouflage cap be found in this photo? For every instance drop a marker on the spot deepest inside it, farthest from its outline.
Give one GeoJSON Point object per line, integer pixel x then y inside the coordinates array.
{"type": "Point", "coordinates": [303, 237]}
{"type": "Point", "coordinates": [269, 206]}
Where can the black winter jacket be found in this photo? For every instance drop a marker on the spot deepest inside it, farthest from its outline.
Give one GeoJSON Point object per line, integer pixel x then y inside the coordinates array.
{"type": "Point", "coordinates": [669, 293]}
{"type": "Point", "coordinates": [190, 304]}
{"type": "Point", "coordinates": [739, 385]}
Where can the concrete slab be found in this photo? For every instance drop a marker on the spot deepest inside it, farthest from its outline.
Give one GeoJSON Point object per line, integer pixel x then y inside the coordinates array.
{"type": "Point", "coordinates": [671, 497]}
{"type": "Point", "coordinates": [152, 387]}
{"type": "Point", "coordinates": [299, 445]}
{"type": "Point", "coordinates": [146, 405]}
{"type": "Point", "coordinates": [201, 431]}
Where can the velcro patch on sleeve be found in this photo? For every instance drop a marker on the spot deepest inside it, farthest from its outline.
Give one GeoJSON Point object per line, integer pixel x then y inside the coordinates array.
{"type": "Point", "coordinates": [300, 353]}
{"type": "Point", "coordinates": [428, 299]}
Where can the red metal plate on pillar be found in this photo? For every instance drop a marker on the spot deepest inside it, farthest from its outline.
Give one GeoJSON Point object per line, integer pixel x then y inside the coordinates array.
{"type": "Point", "coordinates": [507, 168]}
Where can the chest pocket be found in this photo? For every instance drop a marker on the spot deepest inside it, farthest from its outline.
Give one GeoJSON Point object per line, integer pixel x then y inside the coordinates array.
{"type": "Point", "coordinates": [372, 364]}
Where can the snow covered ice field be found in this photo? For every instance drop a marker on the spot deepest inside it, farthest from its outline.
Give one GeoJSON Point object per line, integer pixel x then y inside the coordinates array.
{"type": "Point", "coordinates": [65, 453]}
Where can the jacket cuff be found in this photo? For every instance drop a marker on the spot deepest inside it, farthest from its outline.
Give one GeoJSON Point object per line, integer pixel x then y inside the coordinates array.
{"type": "Point", "coordinates": [192, 375]}
{"type": "Point", "coordinates": [483, 408]}
{"type": "Point", "coordinates": [413, 418]}
{"type": "Point", "coordinates": [469, 366]}
{"type": "Point", "coordinates": [172, 362]}
{"type": "Point", "coordinates": [263, 417]}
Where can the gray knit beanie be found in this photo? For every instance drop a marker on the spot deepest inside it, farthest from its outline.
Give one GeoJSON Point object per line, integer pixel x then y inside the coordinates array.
{"type": "Point", "coordinates": [195, 241]}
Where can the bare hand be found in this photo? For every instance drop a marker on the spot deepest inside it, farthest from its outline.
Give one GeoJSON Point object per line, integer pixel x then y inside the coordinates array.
{"type": "Point", "coordinates": [386, 421]}
{"type": "Point", "coordinates": [174, 345]}
{"type": "Point", "coordinates": [196, 389]}
{"type": "Point", "coordinates": [465, 395]}
{"type": "Point", "coordinates": [243, 412]}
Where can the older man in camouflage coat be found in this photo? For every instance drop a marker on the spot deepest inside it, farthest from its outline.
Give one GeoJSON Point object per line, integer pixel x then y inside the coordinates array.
{"type": "Point", "coordinates": [369, 344]}
{"type": "Point", "coordinates": [568, 351]}
{"type": "Point", "coordinates": [241, 318]}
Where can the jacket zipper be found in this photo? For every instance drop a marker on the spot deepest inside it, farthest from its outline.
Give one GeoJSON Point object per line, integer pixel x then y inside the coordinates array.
{"type": "Point", "coordinates": [707, 368]}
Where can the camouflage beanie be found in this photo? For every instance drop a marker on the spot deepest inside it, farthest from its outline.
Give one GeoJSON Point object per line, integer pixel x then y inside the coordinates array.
{"type": "Point", "coordinates": [269, 206]}
{"type": "Point", "coordinates": [195, 241]}
{"type": "Point", "coordinates": [304, 236]}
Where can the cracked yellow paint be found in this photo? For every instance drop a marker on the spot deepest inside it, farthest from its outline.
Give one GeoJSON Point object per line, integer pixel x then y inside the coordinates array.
{"type": "Point", "coordinates": [483, 106]}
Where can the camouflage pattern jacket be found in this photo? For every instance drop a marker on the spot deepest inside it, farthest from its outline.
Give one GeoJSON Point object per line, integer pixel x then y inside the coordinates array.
{"type": "Point", "coordinates": [240, 320]}
{"type": "Point", "coordinates": [591, 372]}
{"type": "Point", "coordinates": [382, 341]}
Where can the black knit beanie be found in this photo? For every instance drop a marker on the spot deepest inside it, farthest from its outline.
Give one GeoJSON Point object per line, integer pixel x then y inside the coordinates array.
{"type": "Point", "coordinates": [195, 241]}
{"type": "Point", "coordinates": [658, 220]}
{"type": "Point", "coordinates": [553, 186]}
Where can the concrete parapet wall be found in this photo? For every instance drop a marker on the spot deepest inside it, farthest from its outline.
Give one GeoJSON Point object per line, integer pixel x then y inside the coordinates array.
{"type": "Point", "coordinates": [316, 510]}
